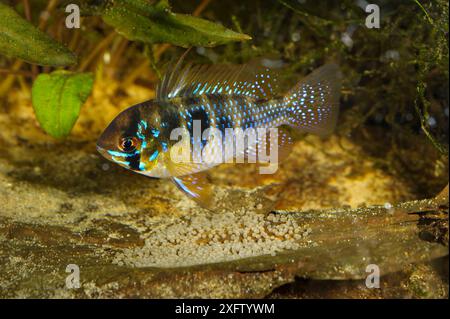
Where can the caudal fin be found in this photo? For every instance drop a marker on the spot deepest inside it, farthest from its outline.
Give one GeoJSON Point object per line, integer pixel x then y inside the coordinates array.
{"type": "Point", "coordinates": [314, 101]}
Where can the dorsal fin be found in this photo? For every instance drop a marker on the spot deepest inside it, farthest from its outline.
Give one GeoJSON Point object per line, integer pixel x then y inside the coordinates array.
{"type": "Point", "coordinates": [253, 80]}
{"type": "Point", "coordinates": [169, 77]}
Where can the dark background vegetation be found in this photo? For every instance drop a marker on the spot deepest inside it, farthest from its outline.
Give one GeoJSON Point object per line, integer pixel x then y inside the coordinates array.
{"type": "Point", "coordinates": [395, 88]}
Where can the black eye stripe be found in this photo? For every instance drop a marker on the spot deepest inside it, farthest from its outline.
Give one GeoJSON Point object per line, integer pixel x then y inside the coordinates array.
{"type": "Point", "coordinates": [134, 162]}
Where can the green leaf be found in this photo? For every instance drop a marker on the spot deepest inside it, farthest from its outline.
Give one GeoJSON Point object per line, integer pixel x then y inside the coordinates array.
{"type": "Point", "coordinates": [138, 20]}
{"type": "Point", "coordinates": [57, 98]}
{"type": "Point", "coordinates": [20, 39]}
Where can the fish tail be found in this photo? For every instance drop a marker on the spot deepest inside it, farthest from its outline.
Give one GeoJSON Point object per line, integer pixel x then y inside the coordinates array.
{"type": "Point", "coordinates": [313, 103]}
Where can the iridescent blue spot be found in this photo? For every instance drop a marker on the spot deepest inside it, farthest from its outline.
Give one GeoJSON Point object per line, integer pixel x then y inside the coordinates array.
{"type": "Point", "coordinates": [140, 135]}
{"type": "Point", "coordinates": [144, 124]}
{"type": "Point", "coordinates": [155, 132]}
{"type": "Point", "coordinates": [197, 88]}
{"type": "Point", "coordinates": [153, 156]}
{"type": "Point", "coordinates": [122, 154]}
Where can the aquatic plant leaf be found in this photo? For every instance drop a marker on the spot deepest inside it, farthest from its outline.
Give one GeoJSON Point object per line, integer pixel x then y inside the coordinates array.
{"type": "Point", "coordinates": [20, 39]}
{"type": "Point", "coordinates": [140, 21]}
{"type": "Point", "coordinates": [57, 98]}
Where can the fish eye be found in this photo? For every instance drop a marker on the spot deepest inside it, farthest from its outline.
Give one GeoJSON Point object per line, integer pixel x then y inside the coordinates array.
{"type": "Point", "coordinates": [128, 144]}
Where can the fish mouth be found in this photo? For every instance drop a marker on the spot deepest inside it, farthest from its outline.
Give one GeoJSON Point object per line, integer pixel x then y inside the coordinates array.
{"type": "Point", "coordinates": [102, 151]}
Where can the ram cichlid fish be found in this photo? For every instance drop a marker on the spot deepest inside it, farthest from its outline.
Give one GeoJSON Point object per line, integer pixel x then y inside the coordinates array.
{"type": "Point", "coordinates": [145, 138]}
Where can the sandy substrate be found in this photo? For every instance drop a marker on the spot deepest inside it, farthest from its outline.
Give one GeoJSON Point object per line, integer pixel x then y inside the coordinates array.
{"type": "Point", "coordinates": [131, 236]}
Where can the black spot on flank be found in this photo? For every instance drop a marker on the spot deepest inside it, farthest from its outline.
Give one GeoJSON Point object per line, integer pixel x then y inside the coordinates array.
{"type": "Point", "coordinates": [199, 114]}
{"type": "Point", "coordinates": [225, 122]}
{"type": "Point", "coordinates": [196, 111]}
{"type": "Point", "coordinates": [222, 118]}
{"type": "Point", "coordinates": [170, 120]}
